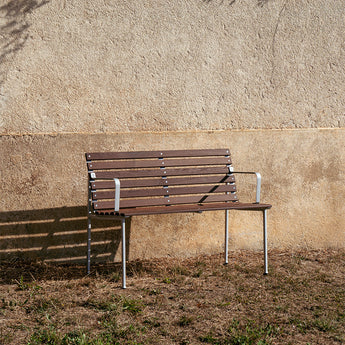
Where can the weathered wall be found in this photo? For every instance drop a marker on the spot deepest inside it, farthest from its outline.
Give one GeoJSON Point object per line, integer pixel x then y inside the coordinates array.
{"type": "Point", "coordinates": [264, 78]}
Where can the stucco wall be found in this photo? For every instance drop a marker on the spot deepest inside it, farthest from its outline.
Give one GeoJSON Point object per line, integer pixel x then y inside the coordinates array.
{"type": "Point", "coordinates": [264, 78]}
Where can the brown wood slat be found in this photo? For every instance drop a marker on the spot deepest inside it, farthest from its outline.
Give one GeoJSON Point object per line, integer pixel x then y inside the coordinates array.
{"type": "Point", "coordinates": [166, 201]}
{"type": "Point", "coordinates": [188, 208]}
{"type": "Point", "coordinates": [156, 154]}
{"type": "Point", "coordinates": [171, 181]}
{"type": "Point", "coordinates": [132, 193]}
{"type": "Point", "coordinates": [103, 165]}
{"type": "Point", "coordinates": [161, 172]}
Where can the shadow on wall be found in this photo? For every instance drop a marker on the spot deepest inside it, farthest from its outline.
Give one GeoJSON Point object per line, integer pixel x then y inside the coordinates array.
{"type": "Point", "coordinates": [14, 28]}
{"type": "Point", "coordinates": [57, 235]}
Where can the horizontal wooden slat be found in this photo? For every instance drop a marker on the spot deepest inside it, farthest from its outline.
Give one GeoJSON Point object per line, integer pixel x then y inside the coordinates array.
{"type": "Point", "coordinates": [156, 154]}
{"type": "Point", "coordinates": [127, 164]}
{"type": "Point", "coordinates": [186, 208]}
{"type": "Point", "coordinates": [132, 193]}
{"type": "Point", "coordinates": [161, 172]}
{"type": "Point", "coordinates": [171, 181]}
{"type": "Point", "coordinates": [166, 201]}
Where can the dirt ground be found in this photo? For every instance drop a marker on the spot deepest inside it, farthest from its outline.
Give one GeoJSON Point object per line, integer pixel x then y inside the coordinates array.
{"type": "Point", "coordinates": [170, 301]}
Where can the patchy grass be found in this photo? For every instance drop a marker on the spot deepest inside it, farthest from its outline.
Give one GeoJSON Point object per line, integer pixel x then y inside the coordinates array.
{"type": "Point", "coordinates": [170, 301]}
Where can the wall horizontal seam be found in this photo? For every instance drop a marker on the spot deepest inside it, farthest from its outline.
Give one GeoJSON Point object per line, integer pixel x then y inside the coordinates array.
{"type": "Point", "coordinates": [56, 134]}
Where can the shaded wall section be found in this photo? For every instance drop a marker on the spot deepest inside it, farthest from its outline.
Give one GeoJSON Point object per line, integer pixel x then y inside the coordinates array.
{"type": "Point", "coordinates": [44, 184]}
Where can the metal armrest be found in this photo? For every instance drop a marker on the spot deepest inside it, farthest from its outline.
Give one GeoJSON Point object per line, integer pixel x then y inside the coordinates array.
{"type": "Point", "coordinates": [258, 181]}
{"type": "Point", "coordinates": [117, 195]}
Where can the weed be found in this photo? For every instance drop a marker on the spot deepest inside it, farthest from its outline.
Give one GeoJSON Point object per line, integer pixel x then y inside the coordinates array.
{"type": "Point", "coordinates": [155, 292]}
{"type": "Point", "coordinates": [21, 285]}
{"type": "Point", "coordinates": [132, 305]}
{"type": "Point", "coordinates": [208, 338]}
{"type": "Point", "coordinates": [43, 304]}
{"type": "Point", "coordinates": [114, 277]}
{"type": "Point", "coordinates": [45, 336]}
{"type": "Point", "coordinates": [181, 270]}
{"type": "Point", "coordinates": [249, 334]}
{"type": "Point", "coordinates": [185, 321]}
{"type": "Point", "coordinates": [153, 322]}
{"type": "Point", "coordinates": [198, 273]}
{"type": "Point", "coordinates": [302, 326]}
{"type": "Point", "coordinates": [167, 280]}
{"type": "Point", "coordinates": [103, 305]}
{"type": "Point", "coordinates": [324, 325]}
{"type": "Point", "coordinates": [5, 337]}
{"type": "Point", "coordinates": [224, 304]}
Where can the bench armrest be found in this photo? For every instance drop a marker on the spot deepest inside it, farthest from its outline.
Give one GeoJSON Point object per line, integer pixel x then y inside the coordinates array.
{"type": "Point", "coordinates": [258, 181]}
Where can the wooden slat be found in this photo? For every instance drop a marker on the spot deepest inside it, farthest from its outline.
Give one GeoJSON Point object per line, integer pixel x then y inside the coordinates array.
{"type": "Point", "coordinates": [166, 201]}
{"type": "Point", "coordinates": [124, 164]}
{"type": "Point", "coordinates": [132, 193]}
{"type": "Point", "coordinates": [156, 154]}
{"type": "Point", "coordinates": [188, 208]}
{"type": "Point", "coordinates": [171, 181]}
{"type": "Point", "coordinates": [161, 172]}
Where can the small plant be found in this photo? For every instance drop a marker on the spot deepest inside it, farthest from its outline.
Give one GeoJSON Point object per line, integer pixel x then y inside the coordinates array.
{"type": "Point", "coordinates": [152, 322]}
{"type": "Point", "coordinates": [114, 277]}
{"type": "Point", "coordinates": [324, 325]}
{"type": "Point", "coordinates": [167, 280]}
{"type": "Point", "coordinates": [198, 273]}
{"type": "Point", "coordinates": [181, 271]}
{"type": "Point", "coordinates": [42, 305]}
{"type": "Point", "coordinates": [155, 292]}
{"type": "Point", "coordinates": [21, 285]}
{"type": "Point", "coordinates": [185, 321]}
{"type": "Point", "coordinates": [208, 338]}
{"type": "Point", "coordinates": [5, 337]}
{"type": "Point", "coordinates": [103, 305]}
{"type": "Point", "coordinates": [250, 333]}
{"type": "Point", "coordinates": [44, 336]}
{"type": "Point", "coordinates": [132, 305]}
{"type": "Point", "coordinates": [76, 338]}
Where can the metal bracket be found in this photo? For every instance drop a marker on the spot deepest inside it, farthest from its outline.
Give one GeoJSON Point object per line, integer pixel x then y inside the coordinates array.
{"type": "Point", "coordinates": [117, 195]}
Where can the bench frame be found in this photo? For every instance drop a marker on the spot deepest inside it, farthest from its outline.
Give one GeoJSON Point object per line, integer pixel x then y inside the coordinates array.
{"type": "Point", "coordinates": [256, 206]}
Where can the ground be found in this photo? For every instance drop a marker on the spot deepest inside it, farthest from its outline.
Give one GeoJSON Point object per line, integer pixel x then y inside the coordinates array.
{"type": "Point", "coordinates": [171, 301]}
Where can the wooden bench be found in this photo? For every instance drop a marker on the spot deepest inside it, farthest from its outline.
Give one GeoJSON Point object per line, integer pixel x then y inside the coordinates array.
{"type": "Point", "coordinates": [126, 184]}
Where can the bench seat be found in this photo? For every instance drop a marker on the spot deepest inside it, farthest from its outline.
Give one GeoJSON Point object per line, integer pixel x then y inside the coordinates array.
{"type": "Point", "coordinates": [141, 211]}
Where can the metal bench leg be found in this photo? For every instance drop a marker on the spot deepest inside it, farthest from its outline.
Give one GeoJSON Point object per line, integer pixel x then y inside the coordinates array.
{"type": "Point", "coordinates": [265, 241]}
{"type": "Point", "coordinates": [123, 221]}
{"type": "Point", "coordinates": [88, 245]}
{"type": "Point", "coordinates": [226, 236]}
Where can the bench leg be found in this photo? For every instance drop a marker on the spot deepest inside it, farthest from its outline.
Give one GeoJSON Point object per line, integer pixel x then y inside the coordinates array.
{"type": "Point", "coordinates": [226, 236]}
{"type": "Point", "coordinates": [265, 241]}
{"type": "Point", "coordinates": [123, 225]}
{"type": "Point", "coordinates": [88, 245]}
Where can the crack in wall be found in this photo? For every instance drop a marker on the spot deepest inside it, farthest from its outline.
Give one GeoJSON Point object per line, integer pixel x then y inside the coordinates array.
{"type": "Point", "coordinates": [274, 41]}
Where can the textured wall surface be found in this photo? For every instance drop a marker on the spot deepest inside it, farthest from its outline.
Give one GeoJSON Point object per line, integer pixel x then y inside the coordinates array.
{"type": "Point", "coordinates": [265, 78]}
{"type": "Point", "coordinates": [105, 66]}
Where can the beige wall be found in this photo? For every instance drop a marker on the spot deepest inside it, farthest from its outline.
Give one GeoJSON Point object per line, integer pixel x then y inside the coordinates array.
{"type": "Point", "coordinates": [264, 78]}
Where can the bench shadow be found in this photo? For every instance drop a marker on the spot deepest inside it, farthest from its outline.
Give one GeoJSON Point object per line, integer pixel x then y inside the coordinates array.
{"type": "Point", "coordinates": [57, 236]}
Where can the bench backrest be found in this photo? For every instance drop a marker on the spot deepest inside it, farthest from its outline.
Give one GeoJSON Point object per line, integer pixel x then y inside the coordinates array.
{"type": "Point", "coordinates": [160, 178]}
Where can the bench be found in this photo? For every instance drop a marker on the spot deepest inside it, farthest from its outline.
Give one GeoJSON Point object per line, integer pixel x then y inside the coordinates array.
{"type": "Point", "coordinates": [127, 184]}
